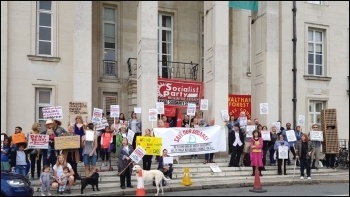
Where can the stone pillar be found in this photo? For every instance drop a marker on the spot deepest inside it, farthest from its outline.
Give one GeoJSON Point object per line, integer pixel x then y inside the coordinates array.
{"type": "Point", "coordinates": [216, 42]}
{"type": "Point", "coordinates": [265, 62]}
{"type": "Point", "coordinates": [4, 63]}
{"type": "Point", "coordinates": [82, 54]}
{"type": "Point", "coordinates": [147, 59]}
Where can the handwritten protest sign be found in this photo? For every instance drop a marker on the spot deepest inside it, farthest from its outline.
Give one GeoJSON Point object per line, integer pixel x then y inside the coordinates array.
{"type": "Point", "coordinates": [265, 135]}
{"type": "Point", "coordinates": [249, 130]}
{"type": "Point", "coordinates": [283, 152]}
{"type": "Point", "coordinates": [67, 142]}
{"type": "Point", "coordinates": [291, 136]}
{"type": "Point", "coordinates": [52, 112]}
{"type": "Point", "coordinates": [115, 111]}
{"type": "Point", "coordinates": [38, 141]}
{"type": "Point", "coordinates": [78, 108]}
{"type": "Point", "coordinates": [130, 136]}
{"type": "Point", "coordinates": [137, 154]}
{"type": "Point", "coordinates": [152, 145]}
{"type": "Point", "coordinates": [18, 138]}
{"type": "Point", "coordinates": [152, 115]}
{"type": "Point", "coordinates": [316, 136]}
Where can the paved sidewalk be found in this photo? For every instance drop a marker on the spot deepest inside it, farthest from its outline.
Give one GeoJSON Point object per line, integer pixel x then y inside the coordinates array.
{"type": "Point", "coordinates": [207, 184]}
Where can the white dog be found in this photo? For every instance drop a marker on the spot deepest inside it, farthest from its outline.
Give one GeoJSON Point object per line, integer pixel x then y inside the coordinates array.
{"type": "Point", "coordinates": [149, 175]}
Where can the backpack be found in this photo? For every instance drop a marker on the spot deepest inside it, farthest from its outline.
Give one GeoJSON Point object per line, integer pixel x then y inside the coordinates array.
{"type": "Point", "coordinates": [246, 159]}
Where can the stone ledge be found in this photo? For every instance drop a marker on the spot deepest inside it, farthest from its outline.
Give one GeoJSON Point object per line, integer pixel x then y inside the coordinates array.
{"type": "Point", "coordinates": [317, 78]}
{"type": "Point", "coordinates": [43, 58]}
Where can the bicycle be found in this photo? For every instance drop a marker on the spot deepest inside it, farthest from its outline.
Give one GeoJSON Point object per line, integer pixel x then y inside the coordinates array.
{"type": "Point", "coordinates": [342, 160]}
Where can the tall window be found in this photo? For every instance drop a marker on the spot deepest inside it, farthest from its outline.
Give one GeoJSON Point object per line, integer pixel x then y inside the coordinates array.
{"type": "Point", "coordinates": [315, 108]}
{"type": "Point", "coordinates": [110, 39]}
{"type": "Point", "coordinates": [108, 100]}
{"type": "Point", "coordinates": [43, 99]}
{"type": "Point", "coordinates": [165, 45]}
{"type": "Point", "coordinates": [315, 52]}
{"type": "Point", "coordinates": [44, 28]}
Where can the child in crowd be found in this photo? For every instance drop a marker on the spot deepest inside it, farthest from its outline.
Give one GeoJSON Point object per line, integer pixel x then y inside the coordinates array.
{"type": "Point", "coordinates": [19, 159]}
{"type": "Point", "coordinates": [106, 140]}
{"type": "Point", "coordinates": [63, 178]}
{"type": "Point", "coordinates": [45, 181]}
{"type": "Point", "coordinates": [51, 142]}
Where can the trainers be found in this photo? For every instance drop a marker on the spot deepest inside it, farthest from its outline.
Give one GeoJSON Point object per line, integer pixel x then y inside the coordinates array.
{"type": "Point", "coordinates": [301, 178]}
{"type": "Point", "coordinates": [309, 178]}
{"type": "Point", "coordinates": [48, 193]}
{"type": "Point", "coordinates": [42, 194]}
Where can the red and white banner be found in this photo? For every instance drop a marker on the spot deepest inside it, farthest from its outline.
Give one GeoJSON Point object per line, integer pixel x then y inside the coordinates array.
{"type": "Point", "coordinates": [238, 104]}
{"type": "Point", "coordinates": [38, 141]}
{"type": "Point", "coordinates": [190, 141]}
{"type": "Point", "coordinates": [179, 92]}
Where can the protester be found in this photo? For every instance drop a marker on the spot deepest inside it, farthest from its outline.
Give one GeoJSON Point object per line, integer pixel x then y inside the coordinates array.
{"type": "Point", "coordinates": [256, 145]}
{"type": "Point", "coordinates": [124, 168]}
{"type": "Point", "coordinates": [58, 169]}
{"type": "Point", "coordinates": [89, 151]}
{"type": "Point", "coordinates": [278, 143]}
{"type": "Point", "coordinates": [303, 152]}
{"type": "Point", "coordinates": [236, 142]}
{"type": "Point", "coordinates": [147, 159]}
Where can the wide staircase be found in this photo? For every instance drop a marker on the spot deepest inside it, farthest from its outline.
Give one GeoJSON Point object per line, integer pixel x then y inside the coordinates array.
{"type": "Point", "coordinates": [199, 173]}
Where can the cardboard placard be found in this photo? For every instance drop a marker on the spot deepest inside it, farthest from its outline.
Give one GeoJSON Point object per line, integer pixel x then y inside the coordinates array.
{"type": "Point", "coordinates": [18, 138]}
{"type": "Point", "coordinates": [78, 108]}
{"type": "Point", "coordinates": [67, 142]}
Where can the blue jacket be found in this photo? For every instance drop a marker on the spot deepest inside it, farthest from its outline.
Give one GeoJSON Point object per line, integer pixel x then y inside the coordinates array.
{"type": "Point", "coordinates": [278, 143]}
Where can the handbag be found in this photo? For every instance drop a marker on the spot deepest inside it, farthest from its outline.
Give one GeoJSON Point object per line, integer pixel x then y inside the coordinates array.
{"type": "Point", "coordinates": [111, 148]}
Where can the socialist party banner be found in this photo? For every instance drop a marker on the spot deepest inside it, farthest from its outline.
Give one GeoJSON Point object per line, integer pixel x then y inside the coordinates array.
{"type": "Point", "coordinates": [189, 141]}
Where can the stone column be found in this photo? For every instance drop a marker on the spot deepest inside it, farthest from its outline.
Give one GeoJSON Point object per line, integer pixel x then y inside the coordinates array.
{"type": "Point", "coordinates": [82, 54]}
{"type": "Point", "coordinates": [4, 63]}
{"type": "Point", "coordinates": [216, 42]}
{"type": "Point", "coordinates": [147, 59]}
{"type": "Point", "coordinates": [265, 62]}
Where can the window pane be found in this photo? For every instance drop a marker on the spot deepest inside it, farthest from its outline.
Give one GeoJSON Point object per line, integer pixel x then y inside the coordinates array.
{"type": "Point", "coordinates": [166, 36]}
{"type": "Point", "coordinates": [310, 36]}
{"type": "Point", "coordinates": [44, 48]}
{"type": "Point", "coordinates": [44, 33]}
{"type": "Point", "coordinates": [310, 47]}
{"type": "Point", "coordinates": [45, 5]}
{"type": "Point", "coordinates": [109, 14]}
{"type": "Point", "coordinates": [318, 70]}
{"type": "Point", "coordinates": [311, 58]}
{"type": "Point", "coordinates": [318, 59]}
{"type": "Point", "coordinates": [311, 118]}
{"type": "Point", "coordinates": [41, 113]}
{"type": "Point", "coordinates": [318, 118]}
{"type": "Point", "coordinates": [319, 107]}
{"type": "Point", "coordinates": [44, 97]}
{"type": "Point", "coordinates": [110, 68]}
{"type": "Point", "coordinates": [166, 48]}
{"type": "Point", "coordinates": [109, 29]}
{"type": "Point", "coordinates": [318, 48]}
{"type": "Point", "coordinates": [318, 36]}
{"type": "Point", "coordinates": [310, 69]}
{"type": "Point", "coordinates": [166, 21]}
{"type": "Point", "coordinates": [109, 54]}
{"type": "Point", "coordinates": [311, 107]}
{"type": "Point", "coordinates": [44, 19]}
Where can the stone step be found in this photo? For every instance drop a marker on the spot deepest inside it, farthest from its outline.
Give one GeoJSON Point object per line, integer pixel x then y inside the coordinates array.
{"type": "Point", "coordinates": [115, 185]}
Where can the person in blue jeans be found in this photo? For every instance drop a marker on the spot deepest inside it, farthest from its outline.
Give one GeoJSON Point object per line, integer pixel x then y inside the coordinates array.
{"type": "Point", "coordinates": [19, 159]}
{"type": "Point", "coordinates": [89, 150]}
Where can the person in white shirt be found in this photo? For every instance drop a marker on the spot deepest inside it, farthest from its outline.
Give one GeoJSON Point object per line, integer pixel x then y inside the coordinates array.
{"type": "Point", "coordinates": [236, 143]}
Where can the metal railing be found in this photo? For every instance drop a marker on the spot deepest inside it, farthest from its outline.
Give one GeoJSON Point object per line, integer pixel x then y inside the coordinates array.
{"type": "Point", "coordinates": [172, 70]}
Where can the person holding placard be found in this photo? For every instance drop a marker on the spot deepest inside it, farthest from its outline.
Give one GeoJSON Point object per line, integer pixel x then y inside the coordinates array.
{"type": "Point", "coordinates": [79, 130]}
{"type": "Point", "coordinates": [135, 126]}
{"type": "Point", "coordinates": [236, 144]}
{"type": "Point", "coordinates": [209, 156]}
{"type": "Point", "coordinates": [280, 161]}
{"type": "Point", "coordinates": [186, 121]}
{"type": "Point", "coordinates": [19, 159]}
{"type": "Point", "coordinates": [266, 143]}
{"type": "Point", "coordinates": [147, 159]}
{"type": "Point", "coordinates": [72, 155]}
{"type": "Point", "coordinates": [316, 145]}
{"type": "Point", "coordinates": [291, 144]}
{"type": "Point", "coordinates": [123, 164]}
{"type": "Point", "coordinates": [274, 138]}
{"type": "Point", "coordinates": [121, 133]}
{"type": "Point", "coordinates": [58, 169]}
{"type": "Point", "coordinates": [89, 144]}
{"type": "Point", "coordinates": [35, 155]}
{"type": "Point", "coordinates": [256, 152]}
{"type": "Point", "coordinates": [303, 152]}
{"type": "Point", "coordinates": [166, 168]}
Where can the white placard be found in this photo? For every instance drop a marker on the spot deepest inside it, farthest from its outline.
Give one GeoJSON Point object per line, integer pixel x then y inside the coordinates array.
{"type": "Point", "coordinates": [264, 108]}
{"type": "Point", "coordinates": [38, 141]}
{"type": "Point", "coordinates": [224, 115]}
{"type": "Point", "coordinates": [291, 136]}
{"type": "Point", "coordinates": [115, 111]}
{"type": "Point", "coordinates": [137, 154]}
{"type": "Point", "coordinates": [277, 125]}
{"type": "Point", "coordinates": [102, 124]}
{"type": "Point", "coordinates": [204, 104]}
{"type": "Point", "coordinates": [265, 135]}
{"type": "Point", "coordinates": [130, 136]}
{"type": "Point", "coordinates": [97, 115]}
{"type": "Point", "coordinates": [316, 136]}
{"type": "Point", "coordinates": [152, 114]}
{"type": "Point", "coordinates": [52, 112]}
{"type": "Point", "coordinates": [2, 138]}
{"type": "Point", "coordinates": [2, 141]}
{"type": "Point", "coordinates": [191, 109]}
{"type": "Point", "coordinates": [168, 160]}
{"type": "Point", "coordinates": [243, 121]}
{"type": "Point", "coordinates": [301, 120]}
{"type": "Point", "coordinates": [249, 129]}
{"type": "Point", "coordinates": [215, 168]}
{"type": "Point", "coordinates": [89, 135]}
{"type": "Point", "coordinates": [160, 107]}
{"type": "Point", "coordinates": [283, 152]}
{"type": "Point", "coordinates": [137, 110]}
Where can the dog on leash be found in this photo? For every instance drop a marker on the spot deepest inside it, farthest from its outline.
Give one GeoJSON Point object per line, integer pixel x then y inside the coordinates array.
{"type": "Point", "coordinates": [149, 175]}
{"type": "Point", "coordinates": [91, 180]}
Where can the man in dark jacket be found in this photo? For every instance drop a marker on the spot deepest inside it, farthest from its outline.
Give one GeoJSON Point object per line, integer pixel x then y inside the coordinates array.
{"type": "Point", "coordinates": [236, 144]}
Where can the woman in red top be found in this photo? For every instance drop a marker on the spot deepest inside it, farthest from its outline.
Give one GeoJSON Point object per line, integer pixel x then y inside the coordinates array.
{"type": "Point", "coordinates": [256, 152]}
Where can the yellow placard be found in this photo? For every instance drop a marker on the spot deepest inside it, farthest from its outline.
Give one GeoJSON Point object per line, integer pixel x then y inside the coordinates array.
{"type": "Point", "coordinates": [152, 145]}
{"type": "Point", "coordinates": [67, 142]}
